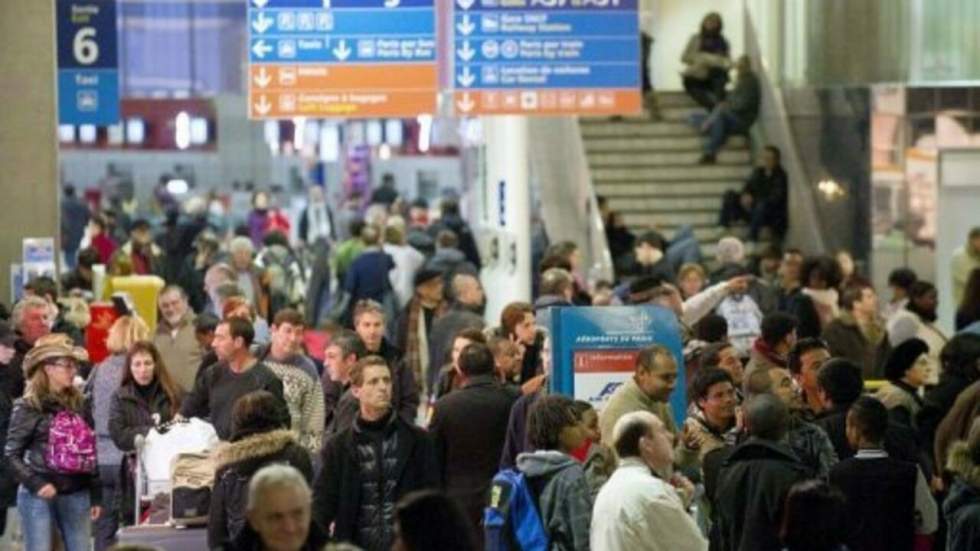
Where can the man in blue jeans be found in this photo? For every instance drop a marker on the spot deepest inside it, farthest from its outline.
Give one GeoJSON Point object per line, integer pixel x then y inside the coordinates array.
{"type": "Point", "coordinates": [736, 114]}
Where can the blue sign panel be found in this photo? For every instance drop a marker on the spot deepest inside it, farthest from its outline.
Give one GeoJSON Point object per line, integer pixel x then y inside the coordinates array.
{"type": "Point", "coordinates": [88, 62]}
{"type": "Point", "coordinates": [594, 349]}
{"type": "Point", "coordinates": [537, 48]}
{"type": "Point", "coordinates": [332, 31]}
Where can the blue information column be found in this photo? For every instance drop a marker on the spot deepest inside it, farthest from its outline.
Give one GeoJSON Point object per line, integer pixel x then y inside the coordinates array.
{"type": "Point", "coordinates": [88, 62]}
{"type": "Point", "coordinates": [546, 57]}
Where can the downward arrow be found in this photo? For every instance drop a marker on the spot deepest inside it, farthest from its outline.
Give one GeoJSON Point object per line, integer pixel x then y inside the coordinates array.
{"type": "Point", "coordinates": [263, 78]}
{"type": "Point", "coordinates": [465, 27]}
{"type": "Point", "coordinates": [260, 49]}
{"type": "Point", "coordinates": [465, 4]}
{"type": "Point", "coordinates": [263, 106]}
{"type": "Point", "coordinates": [466, 103]}
{"type": "Point", "coordinates": [466, 53]}
{"type": "Point", "coordinates": [262, 23]}
{"type": "Point", "coordinates": [466, 79]}
{"type": "Point", "coordinates": [342, 51]}
{"type": "Point", "coordinates": [260, 3]}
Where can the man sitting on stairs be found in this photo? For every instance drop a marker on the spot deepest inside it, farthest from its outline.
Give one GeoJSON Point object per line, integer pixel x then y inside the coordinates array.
{"type": "Point", "coordinates": [735, 115]}
{"type": "Point", "coordinates": [763, 201]}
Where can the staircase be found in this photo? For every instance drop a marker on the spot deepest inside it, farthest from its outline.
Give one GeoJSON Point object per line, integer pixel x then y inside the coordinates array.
{"type": "Point", "coordinates": [650, 174]}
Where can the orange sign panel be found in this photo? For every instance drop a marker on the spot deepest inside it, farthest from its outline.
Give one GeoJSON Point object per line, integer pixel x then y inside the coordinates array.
{"type": "Point", "coordinates": [341, 58]}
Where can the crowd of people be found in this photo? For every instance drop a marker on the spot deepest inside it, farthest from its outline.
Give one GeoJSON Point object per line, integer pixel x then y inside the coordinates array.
{"type": "Point", "coordinates": [818, 419]}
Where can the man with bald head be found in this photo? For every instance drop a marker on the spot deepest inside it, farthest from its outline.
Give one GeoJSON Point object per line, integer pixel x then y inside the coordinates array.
{"type": "Point", "coordinates": [754, 479]}
{"type": "Point", "coordinates": [466, 312]}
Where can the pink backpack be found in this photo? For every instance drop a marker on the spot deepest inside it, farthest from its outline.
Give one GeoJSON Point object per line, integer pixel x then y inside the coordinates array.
{"type": "Point", "coordinates": [71, 444]}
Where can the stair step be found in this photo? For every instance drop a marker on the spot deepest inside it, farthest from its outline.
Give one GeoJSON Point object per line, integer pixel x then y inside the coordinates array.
{"type": "Point", "coordinates": [666, 189]}
{"type": "Point", "coordinates": [675, 99]}
{"type": "Point", "coordinates": [653, 204]}
{"type": "Point", "coordinates": [668, 113]}
{"type": "Point", "coordinates": [704, 233]}
{"type": "Point", "coordinates": [603, 144]}
{"type": "Point", "coordinates": [670, 218]}
{"type": "Point", "coordinates": [597, 128]}
{"type": "Point", "coordinates": [665, 158]}
{"type": "Point", "coordinates": [671, 173]}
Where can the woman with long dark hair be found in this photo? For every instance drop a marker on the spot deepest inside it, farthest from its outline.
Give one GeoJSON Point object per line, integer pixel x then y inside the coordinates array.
{"type": "Point", "coordinates": [146, 397]}
{"type": "Point", "coordinates": [707, 61]}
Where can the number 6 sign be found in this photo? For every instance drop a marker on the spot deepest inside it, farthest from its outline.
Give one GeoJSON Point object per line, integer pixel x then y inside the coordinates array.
{"type": "Point", "coordinates": [88, 62]}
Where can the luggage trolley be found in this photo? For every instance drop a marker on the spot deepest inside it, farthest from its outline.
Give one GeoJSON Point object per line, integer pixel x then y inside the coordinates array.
{"type": "Point", "coordinates": [146, 487]}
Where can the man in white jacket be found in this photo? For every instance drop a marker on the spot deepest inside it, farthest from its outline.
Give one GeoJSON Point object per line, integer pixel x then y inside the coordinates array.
{"type": "Point", "coordinates": [643, 506]}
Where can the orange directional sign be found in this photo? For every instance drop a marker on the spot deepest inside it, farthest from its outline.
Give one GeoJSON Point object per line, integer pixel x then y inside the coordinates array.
{"type": "Point", "coordinates": [353, 58]}
{"type": "Point", "coordinates": [547, 102]}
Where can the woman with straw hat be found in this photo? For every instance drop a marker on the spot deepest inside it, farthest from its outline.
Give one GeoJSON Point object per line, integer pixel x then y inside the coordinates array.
{"type": "Point", "coordinates": [51, 449]}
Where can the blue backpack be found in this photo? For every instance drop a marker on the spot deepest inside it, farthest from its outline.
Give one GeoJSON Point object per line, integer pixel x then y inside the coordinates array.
{"type": "Point", "coordinates": [511, 520]}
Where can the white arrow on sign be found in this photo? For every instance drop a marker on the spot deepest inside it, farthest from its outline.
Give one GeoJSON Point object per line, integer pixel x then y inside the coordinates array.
{"type": "Point", "coordinates": [465, 4]}
{"type": "Point", "coordinates": [466, 79]}
{"type": "Point", "coordinates": [263, 106]}
{"type": "Point", "coordinates": [466, 53]}
{"type": "Point", "coordinates": [392, 3]}
{"type": "Point", "coordinates": [342, 51]}
{"type": "Point", "coordinates": [466, 104]}
{"type": "Point", "coordinates": [260, 48]}
{"type": "Point", "coordinates": [465, 27]}
{"type": "Point", "coordinates": [262, 23]}
{"type": "Point", "coordinates": [260, 3]}
{"type": "Point", "coordinates": [263, 78]}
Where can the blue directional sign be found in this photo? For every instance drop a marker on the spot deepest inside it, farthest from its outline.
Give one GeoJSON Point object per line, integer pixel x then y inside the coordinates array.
{"type": "Point", "coordinates": [88, 62]}
{"type": "Point", "coordinates": [546, 56]}
{"type": "Point", "coordinates": [368, 31]}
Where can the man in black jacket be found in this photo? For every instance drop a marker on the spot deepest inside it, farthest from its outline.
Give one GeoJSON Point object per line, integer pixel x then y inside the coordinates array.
{"type": "Point", "coordinates": [754, 480]}
{"type": "Point", "coordinates": [469, 427]}
{"type": "Point", "coordinates": [369, 324]}
{"type": "Point", "coordinates": [368, 467]}
{"type": "Point", "coordinates": [888, 500]}
{"type": "Point", "coordinates": [763, 200]}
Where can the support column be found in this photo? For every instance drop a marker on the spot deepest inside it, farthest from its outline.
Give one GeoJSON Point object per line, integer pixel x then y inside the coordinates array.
{"type": "Point", "coordinates": [508, 184]}
{"type": "Point", "coordinates": [28, 131]}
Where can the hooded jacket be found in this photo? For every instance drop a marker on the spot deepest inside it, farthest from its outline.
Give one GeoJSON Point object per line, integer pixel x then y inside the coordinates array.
{"type": "Point", "coordinates": [962, 507]}
{"type": "Point", "coordinates": [956, 425]}
{"type": "Point", "coordinates": [562, 495]}
{"type": "Point", "coordinates": [235, 463]}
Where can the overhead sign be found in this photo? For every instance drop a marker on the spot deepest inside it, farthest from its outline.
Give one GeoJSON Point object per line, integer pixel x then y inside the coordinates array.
{"type": "Point", "coordinates": [546, 57]}
{"type": "Point", "coordinates": [88, 62]}
{"type": "Point", "coordinates": [341, 58]}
